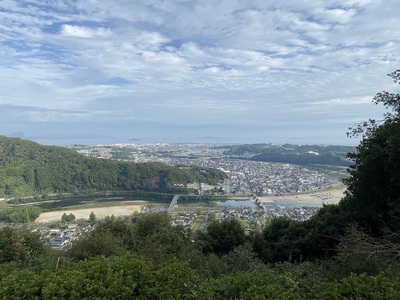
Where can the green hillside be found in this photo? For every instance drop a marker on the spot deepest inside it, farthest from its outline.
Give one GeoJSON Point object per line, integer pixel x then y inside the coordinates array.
{"type": "Point", "coordinates": [28, 168]}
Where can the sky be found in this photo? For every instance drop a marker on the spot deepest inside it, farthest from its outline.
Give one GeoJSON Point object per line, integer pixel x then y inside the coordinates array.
{"type": "Point", "coordinates": [194, 71]}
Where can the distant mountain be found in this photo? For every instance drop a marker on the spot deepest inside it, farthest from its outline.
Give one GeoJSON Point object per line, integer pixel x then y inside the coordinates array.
{"type": "Point", "coordinates": [19, 134]}
{"type": "Point", "coordinates": [294, 154]}
{"type": "Point", "coordinates": [210, 138]}
{"type": "Point", "coordinates": [28, 168]}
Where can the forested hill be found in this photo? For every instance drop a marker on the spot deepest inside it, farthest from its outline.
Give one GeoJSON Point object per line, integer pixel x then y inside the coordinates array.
{"type": "Point", "coordinates": [28, 168]}
{"type": "Point", "coordinates": [294, 154]}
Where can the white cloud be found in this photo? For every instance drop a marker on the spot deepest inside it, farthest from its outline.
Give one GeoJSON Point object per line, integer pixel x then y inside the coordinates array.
{"type": "Point", "coordinates": [207, 61]}
{"type": "Point", "coordinates": [84, 32]}
{"type": "Point", "coordinates": [343, 101]}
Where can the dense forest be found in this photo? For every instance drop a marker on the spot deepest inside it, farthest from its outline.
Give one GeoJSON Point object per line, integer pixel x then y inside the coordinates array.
{"type": "Point", "coordinates": [144, 257]}
{"type": "Point", "coordinates": [28, 168]}
{"type": "Point", "coordinates": [346, 251]}
{"type": "Point", "coordinates": [306, 155]}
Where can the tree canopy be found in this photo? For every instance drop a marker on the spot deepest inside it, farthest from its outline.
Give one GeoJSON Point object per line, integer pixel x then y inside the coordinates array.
{"type": "Point", "coordinates": [221, 237]}
{"type": "Point", "coordinates": [373, 188]}
{"type": "Point", "coordinates": [20, 245]}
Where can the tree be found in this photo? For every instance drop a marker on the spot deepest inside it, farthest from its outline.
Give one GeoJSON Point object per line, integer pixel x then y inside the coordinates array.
{"type": "Point", "coordinates": [68, 218]}
{"type": "Point", "coordinates": [119, 228]}
{"type": "Point", "coordinates": [92, 218]}
{"type": "Point", "coordinates": [96, 243]}
{"type": "Point", "coordinates": [20, 245]}
{"type": "Point", "coordinates": [20, 214]}
{"type": "Point", "coordinates": [71, 217]}
{"type": "Point", "coordinates": [242, 259]}
{"type": "Point", "coordinates": [360, 253]}
{"type": "Point", "coordinates": [149, 224]}
{"type": "Point", "coordinates": [64, 218]}
{"type": "Point", "coordinates": [163, 246]}
{"type": "Point", "coordinates": [362, 287]}
{"type": "Point", "coordinates": [373, 188]}
{"type": "Point", "coordinates": [221, 237]}
{"type": "Point", "coordinates": [157, 240]}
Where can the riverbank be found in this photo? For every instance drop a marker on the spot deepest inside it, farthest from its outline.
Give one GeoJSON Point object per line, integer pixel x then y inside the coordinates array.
{"type": "Point", "coordinates": [329, 196]}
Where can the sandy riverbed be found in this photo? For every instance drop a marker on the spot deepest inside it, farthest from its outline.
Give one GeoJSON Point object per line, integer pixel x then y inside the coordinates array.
{"type": "Point", "coordinates": [100, 212]}
{"type": "Point", "coordinates": [329, 196]}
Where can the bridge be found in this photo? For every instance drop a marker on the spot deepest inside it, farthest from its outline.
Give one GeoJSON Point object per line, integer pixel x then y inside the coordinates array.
{"type": "Point", "coordinates": [173, 204]}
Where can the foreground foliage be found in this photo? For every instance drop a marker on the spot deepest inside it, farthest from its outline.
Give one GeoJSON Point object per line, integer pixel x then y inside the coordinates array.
{"type": "Point", "coordinates": [122, 259]}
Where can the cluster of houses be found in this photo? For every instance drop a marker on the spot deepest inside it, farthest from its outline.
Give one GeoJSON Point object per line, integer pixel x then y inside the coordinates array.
{"type": "Point", "coordinates": [254, 216]}
{"type": "Point", "coordinates": [296, 213]}
{"type": "Point", "coordinates": [60, 239]}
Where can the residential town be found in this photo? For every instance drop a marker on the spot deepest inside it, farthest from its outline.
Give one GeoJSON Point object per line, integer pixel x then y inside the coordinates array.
{"type": "Point", "coordinates": [252, 215]}
{"type": "Point", "coordinates": [245, 177]}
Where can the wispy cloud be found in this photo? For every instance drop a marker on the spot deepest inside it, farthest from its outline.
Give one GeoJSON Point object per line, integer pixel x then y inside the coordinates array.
{"type": "Point", "coordinates": [343, 101]}
{"type": "Point", "coordinates": [259, 63]}
{"type": "Point", "coordinates": [84, 32]}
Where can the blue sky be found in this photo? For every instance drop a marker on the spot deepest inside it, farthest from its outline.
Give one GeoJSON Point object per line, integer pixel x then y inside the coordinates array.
{"type": "Point", "coordinates": [194, 71]}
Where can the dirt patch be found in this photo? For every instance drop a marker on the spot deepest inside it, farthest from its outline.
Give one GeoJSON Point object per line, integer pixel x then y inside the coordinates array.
{"type": "Point", "coordinates": [100, 212]}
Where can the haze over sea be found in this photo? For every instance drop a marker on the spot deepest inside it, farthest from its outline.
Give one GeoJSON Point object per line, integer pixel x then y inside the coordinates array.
{"type": "Point", "coordinates": [171, 140]}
